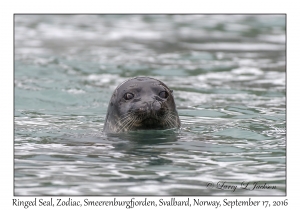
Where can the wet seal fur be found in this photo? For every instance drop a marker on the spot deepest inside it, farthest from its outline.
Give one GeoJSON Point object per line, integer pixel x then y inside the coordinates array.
{"type": "Point", "coordinates": [141, 103]}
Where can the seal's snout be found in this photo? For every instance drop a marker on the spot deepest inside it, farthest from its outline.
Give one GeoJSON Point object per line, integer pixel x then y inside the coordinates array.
{"type": "Point", "coordinates": [142, 110]}
{"type": "Point", "coordinates": [149, 109]}
{"type": "Point", "coordinates": [156, 106]}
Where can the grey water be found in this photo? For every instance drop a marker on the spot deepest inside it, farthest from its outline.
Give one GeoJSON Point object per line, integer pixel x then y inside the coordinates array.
{"type": "Point", "coordinates": [228, 73]}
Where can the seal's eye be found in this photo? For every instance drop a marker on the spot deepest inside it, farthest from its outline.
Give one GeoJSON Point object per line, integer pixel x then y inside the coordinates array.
{"type": "Point", "coordinates": [128, 96]}
{"type": "Point", "coordinates": [163, 94]}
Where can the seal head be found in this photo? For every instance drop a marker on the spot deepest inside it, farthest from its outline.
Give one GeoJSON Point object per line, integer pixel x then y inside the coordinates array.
{"type": "Point", "coordinates": [141, 103]}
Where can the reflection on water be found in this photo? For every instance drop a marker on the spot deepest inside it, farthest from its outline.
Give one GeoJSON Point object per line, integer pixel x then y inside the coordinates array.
{"type": "Point", "coordinates": [228, 77]}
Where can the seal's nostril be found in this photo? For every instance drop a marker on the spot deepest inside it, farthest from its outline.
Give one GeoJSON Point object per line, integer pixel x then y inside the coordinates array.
{"type": "Point", "coordinates": [156, 105]}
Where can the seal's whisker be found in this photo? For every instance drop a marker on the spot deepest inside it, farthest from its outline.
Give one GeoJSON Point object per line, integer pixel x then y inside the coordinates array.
{"type": "Point", "coordinates": [167, 121]}
{"type": "Point", "coordinates": [124, 119]}
{"type": "Point", "coordinates": [126, 115]}
{"type": "Point", "coordinates": [129, 121]}
{"type": "Point", "coordinates": [125, 123]}
{"type": "Point", "coordinates": [129, 125]}
{"type": "Point", "coordinates": [129, 112]}
{"type": "Point", "coordinates": [172, 120]}
{"type": "Point", "coordinates": [133, 122]}
{"type": "Point", "coordinates": [172, 116]}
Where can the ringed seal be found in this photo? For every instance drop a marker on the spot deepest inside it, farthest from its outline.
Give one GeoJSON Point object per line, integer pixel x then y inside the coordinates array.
{"type": "Point", "coordinates": [141, 103]}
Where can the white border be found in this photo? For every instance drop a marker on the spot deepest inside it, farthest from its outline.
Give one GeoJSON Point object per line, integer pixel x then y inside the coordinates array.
{"type": "Point", "coordinates": [8, 8]}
